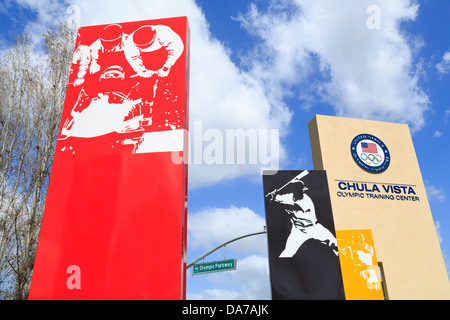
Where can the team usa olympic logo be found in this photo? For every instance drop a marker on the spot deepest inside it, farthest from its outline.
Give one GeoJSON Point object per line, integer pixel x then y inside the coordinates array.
{"type": "Point", "coordinates": [370, 153]}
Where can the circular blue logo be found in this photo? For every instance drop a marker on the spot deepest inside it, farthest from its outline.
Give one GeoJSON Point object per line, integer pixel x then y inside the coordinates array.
{"type": "Point", "coordinates": [370, 153]}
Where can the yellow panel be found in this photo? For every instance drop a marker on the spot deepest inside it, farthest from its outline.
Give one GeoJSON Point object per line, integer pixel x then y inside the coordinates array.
{"type": "Point", "coordinates": [359, 267]}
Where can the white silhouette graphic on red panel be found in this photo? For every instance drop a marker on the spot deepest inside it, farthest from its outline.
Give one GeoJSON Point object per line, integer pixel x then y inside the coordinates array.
{"type": "Point", "coordinates": [120, 78]}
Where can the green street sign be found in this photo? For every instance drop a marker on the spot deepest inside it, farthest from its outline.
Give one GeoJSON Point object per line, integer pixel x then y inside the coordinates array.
{"type": "Point", "coordinates": [216, 266]}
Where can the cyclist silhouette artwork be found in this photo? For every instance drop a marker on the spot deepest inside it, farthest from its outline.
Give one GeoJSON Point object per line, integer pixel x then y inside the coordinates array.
{"type": "Point", "coordinates": [303, 251]}
{"type": "Point", "coordinates": [118, 83]}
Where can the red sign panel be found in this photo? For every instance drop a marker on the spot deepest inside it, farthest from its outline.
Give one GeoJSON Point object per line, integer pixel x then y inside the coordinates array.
{"type": "Point", "coordinates": [114, 225]}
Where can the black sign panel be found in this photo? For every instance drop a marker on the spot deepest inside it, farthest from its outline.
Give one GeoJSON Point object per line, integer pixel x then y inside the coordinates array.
{"type": "Point", "coordinates": [303, 252]}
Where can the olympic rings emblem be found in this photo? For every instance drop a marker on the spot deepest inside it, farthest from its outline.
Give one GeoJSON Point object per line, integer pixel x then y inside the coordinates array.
{"type": "Point", "coordinates": [371, 158]}
{"type": "Point", "coordinates": [374, 162]}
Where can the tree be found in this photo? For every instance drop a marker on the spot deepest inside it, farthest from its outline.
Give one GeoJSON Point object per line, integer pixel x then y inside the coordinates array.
{"type": "Point", "coordinates": [32, 86]}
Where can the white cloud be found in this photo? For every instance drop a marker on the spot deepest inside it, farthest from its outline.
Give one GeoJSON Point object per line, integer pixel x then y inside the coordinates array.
{"type": "Point", "coordinates": [213, 294]}
{"type": "Point", "coordinates": [250, 281]}
{"type": "Point", "coordinates": [438, 134]}
{"type": "Point", "coordinates": [48, 14]}
{"type": "Point", "coordinates": [363, 73]}
{"type": "Point", "coordinates": [434, 194]}
{"type": "Point", "coordinates": [252, 276]}
{"type": "Point", "coordinates": [221, 95]}
{"type": "Point", "coordinates": [444, 66]}
{"type": "Point", "coordinates": [369, 73]}
{"type": "Point", "coordinates": [211, 227]}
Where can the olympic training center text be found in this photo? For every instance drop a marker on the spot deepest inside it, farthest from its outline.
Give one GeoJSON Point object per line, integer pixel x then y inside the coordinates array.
{"type": "Point", "coordinates": [383, 191]}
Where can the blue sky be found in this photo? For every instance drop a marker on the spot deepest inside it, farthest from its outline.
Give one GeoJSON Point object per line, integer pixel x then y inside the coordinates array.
{"type": "Point", "coordinates": [281, 62]}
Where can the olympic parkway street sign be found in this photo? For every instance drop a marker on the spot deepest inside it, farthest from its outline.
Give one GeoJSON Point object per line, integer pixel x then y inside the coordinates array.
{"type": "Point", "coordinates": [216, 266]}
